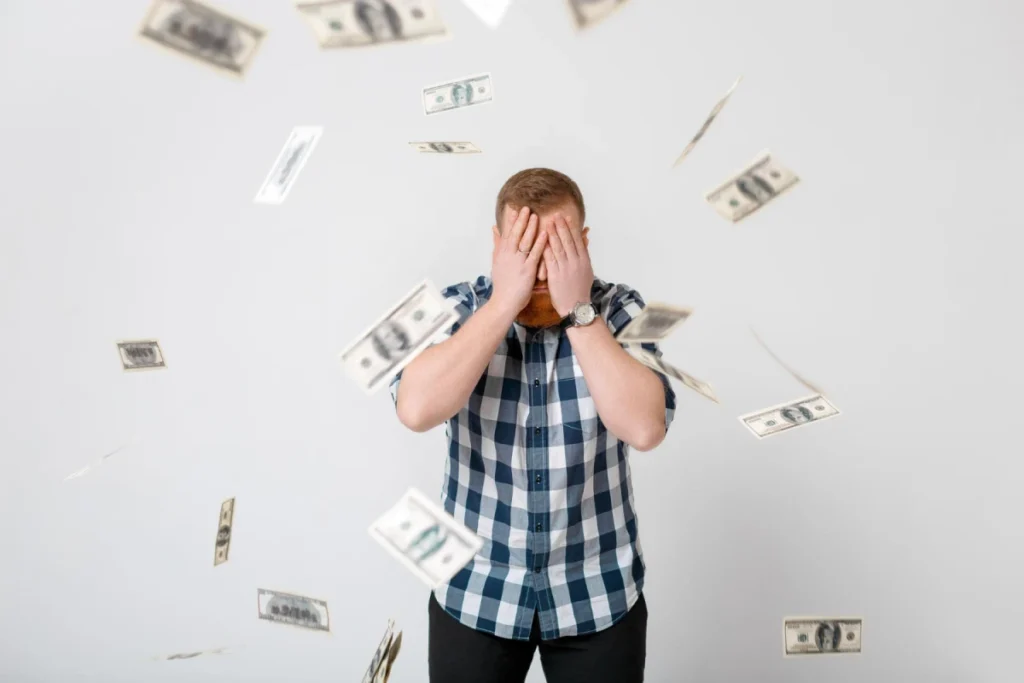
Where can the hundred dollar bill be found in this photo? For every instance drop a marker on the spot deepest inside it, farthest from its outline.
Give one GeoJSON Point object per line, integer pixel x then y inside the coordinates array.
{"type": "Point", "coordinates": [421, 535]}
{"type": "Point", "coordinates": [703, 129]}
{"type": "Point", "coordinates": [205, 34]}
{"type": "Point", "coordinates": [655, 363]}
{"type": "Point", "coordinates": [85, 470]}
{"type": "Point", "coordinates": [391, 343]}
{"type": "Point", "coordinates": [445, 147]}
{"type": "Point", "coordinates": [190, 655]}
{"type": "Point", "coordinates": [759, 183]}
{"type": "Point", "coordinates": [359, 23]}
{"type": "Point", "coordinates": [653, 324]}
{"type": "Point", "coordinates": [141, 355]}
{"type": "Point", "coordinates": [296, 151]}
{"type": "Point", "coordinates": [491, 12]}
{"type": "Point", "coordinates": [296, 610]}
{"type": "Point", "coordinates": [380, 655]}
{"type": "Point", "coordinates": [223, 544]}
{"type": "Point", "coordinates": [821, 635]}
{"type": "Point", "coordinates": [458, 94]}
{"type": "Point", "coordinates": [785, 367]}
{"type": "Point", "coordinates": [586, 13]}
{"type": "Point", "coordinates": [393, 651]}
{"type": "Point", "coordinates": [785, 416]}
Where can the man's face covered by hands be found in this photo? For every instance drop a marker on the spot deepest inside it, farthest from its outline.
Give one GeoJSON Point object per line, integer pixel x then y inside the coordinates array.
{"type": "Point", "coordinates": [540, 312]}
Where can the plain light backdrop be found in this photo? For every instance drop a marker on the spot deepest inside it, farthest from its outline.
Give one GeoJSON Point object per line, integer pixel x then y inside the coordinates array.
{"type": "Point", "coordinates": [890, 276]}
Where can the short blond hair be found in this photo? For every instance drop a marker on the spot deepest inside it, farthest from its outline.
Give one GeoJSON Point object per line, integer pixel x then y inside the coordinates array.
{"type": "Point", "coordinates": [540, 189]}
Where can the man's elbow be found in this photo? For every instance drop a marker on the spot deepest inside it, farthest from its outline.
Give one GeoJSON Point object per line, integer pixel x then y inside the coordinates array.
{"type": "Point", "coordinates": [412, 418]}
{"type": "Point", "coordinates": [650, 437]}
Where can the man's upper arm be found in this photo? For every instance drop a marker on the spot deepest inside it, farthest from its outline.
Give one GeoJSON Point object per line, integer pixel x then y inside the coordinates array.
{"type": "Point", "coordinates": [622, 305]}
{"type": "Point", "coordinates": [465, 301]}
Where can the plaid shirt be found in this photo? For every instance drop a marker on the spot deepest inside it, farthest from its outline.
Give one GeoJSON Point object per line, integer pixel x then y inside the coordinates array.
{"type": "Point", "coordinates": [533, 471]}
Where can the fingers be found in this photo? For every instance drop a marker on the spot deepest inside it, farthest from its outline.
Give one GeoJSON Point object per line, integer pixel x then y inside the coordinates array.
{"type": "Point", "coordinates": [565, 237]}
{"type": "Point", "coordinates": [538, 248]}
{"type": "Point", "coordinates": [516, 233]}
{"type": "Point", "coordinates": [577, 235]}
{"type": "Point", "coordinates": [549, 259]}
{"type": "Point", "coordinates": [531, 232]}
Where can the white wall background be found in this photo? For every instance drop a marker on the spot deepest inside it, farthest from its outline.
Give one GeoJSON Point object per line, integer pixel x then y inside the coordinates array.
{"type": "Point", "coordinates": [890, 276]}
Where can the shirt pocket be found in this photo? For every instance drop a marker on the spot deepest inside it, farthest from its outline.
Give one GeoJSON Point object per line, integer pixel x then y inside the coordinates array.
{"type": "Point", "coordinates": [580, 421]}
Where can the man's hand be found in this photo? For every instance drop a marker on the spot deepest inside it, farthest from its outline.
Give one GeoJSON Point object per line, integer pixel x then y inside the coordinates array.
{"type": "Point", "coordinates": [570, 275]}
{"type": "Point", "coordinates": [517, 256]}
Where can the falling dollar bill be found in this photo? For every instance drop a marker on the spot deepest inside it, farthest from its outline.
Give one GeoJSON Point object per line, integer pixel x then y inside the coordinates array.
{"type": "Point", "coordinates": [290, 161]}
{"type": "Point", "coordinates": [785, 367]}
{"type": "Point", "coordinates": [431, 543]}
{"type": "Point", "coordinates": [785, 416]}
{"type": "Point", "coordinates": [380, 655]}
{"type": "Point", "coordinates": [296, 610]}
{"type": "Point", "coordinates": [491, 12]}
{"type": "Point", "coordinates": [586, 13]}
{"type": "Point", "coordinates": [445, 147]}
{"type": "Point", "coordinates": [141, 355]}
{"type": "Point", "coordinates": [85, 470]}
{"type": "Point", "coordinates": [223, 544]}
{"type": "Point", "coordinates": [190, 655]}
{"type": "Point", "coordinates": [703, 129]}
{"type": "Point", "coordinates": [655, 363]}
{"type": "Point", "coordinates": [391, 343]}
{"type": "Point", "coordinates": [759, 183]}
{"type": "Point", "coordinates": [360, 23]}
{"type": "Point", "coordinates": [821, 635]}
{"type": "Point", "coordinates": [205, 34]}
{"type": "Point", "coordinates": [393, 651]}
{"type": "Point", "coordinates": [654, 323]}
{"type": "Point", "coordinates": [458, 94]}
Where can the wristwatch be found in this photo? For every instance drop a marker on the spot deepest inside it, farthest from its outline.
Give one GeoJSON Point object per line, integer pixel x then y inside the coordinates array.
{"type": "Point", "coordinates": [581, 315]}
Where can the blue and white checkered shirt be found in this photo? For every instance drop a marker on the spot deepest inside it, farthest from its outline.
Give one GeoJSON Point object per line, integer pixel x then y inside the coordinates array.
{"type": "Point", "coordinates": [534, 472]}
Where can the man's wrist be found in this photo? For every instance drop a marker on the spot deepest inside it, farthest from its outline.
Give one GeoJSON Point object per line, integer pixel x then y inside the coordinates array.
{"type": "Point", "coordinates": [504, 312]}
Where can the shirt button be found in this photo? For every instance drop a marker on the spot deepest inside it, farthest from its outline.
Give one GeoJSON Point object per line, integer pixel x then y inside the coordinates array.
{"type": "Point", "coordinates": [539, 526]}
{"type": "Point", "coordinates": [536, 430]}
{"type": "Point", "coordinates": [536, 382]}
{"type": "Point", "coordinates": [536, 570]}
{"type": "Point", "coordinates": [537, 479]}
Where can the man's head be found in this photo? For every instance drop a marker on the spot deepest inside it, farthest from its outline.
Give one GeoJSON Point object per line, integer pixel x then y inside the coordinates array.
{"type": "Point", "coordinates": [546, 193]}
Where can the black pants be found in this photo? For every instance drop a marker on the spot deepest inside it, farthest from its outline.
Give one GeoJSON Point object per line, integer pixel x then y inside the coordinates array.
{"type": "Point", "coordinates": [459, 654]}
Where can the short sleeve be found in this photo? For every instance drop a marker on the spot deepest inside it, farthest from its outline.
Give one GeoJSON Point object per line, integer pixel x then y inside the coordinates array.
{"type": "Point", "coordinates": [623, 304]}
{"type": "Point", "coordinates": [464, 299]}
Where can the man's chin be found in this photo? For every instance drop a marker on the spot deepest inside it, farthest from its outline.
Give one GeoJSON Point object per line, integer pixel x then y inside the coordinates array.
{"type": "Point", "coordinates": [539, 312]}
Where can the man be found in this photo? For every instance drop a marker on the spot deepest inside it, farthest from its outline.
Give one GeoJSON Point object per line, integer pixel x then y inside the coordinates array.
{"type": "Point", "coordinates": [542, 405]}
{"type": "Point", "coordinates": [796, 414]}
{"type": "Point", "coordinates": [462, 94]}
{"type": "Point", "coordinates": [378, 20]}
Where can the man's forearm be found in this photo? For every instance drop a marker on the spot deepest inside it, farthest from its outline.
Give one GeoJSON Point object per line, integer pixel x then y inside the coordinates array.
{"type": "Point", "coordinates": [438, 383]}
{"type": "Point", "coordinates": [629, 396]}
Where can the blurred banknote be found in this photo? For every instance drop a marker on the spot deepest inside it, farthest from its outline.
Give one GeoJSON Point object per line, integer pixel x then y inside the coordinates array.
{"type": "Point", "coordinates": [491, 12]}
{"type": "Point", "coordinates": [785, 367]}
{"type": "Point", "coordinates": [358, 23]}
{"type": "Point", "coordinates": [586, 13]}
{"type": "Point", "coordinates": [653, 324]}
{"type": "Point", "coordinates": [755, 186]}
{"type": "Point", "coordinates": [141, 355]}
{"type": "Point", "coordinates": [296, 610]}
{"type": "Point", "coordinates": [458, 94]}
{"type": "Point", "coordinates": [223, 544]}
{"type": "Point", "coordinates": [420, 534]}
{"type": "Point", "coordinates": [703, 129]}
{"type": "Point", "coordinates": [199, 31]}
{"type": "Point", "coordinates": [822, 636]}
{"type": "Point", "coordinates": [396, 647]}
{"type": "Point", "coordinates": [391, 343]}
{"type": "Point", "coordinates": [655, 363]}
{"type": "Point", "coordinates": [380, 666]}
{"type": "Point", "coordinates": [87, 468]}
{"type": "Point", "coordinates": [786, 416]}
{"type": "Point", "coordinates": [293, 157]}
{"type": "Point", "coordinates": [445, 147]}
{"type": "Point", "coordinates": [190, 655]}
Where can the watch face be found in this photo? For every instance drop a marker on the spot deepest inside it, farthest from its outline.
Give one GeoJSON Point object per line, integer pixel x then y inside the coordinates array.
{"type": "Point", "coordinates": [584, 313]}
